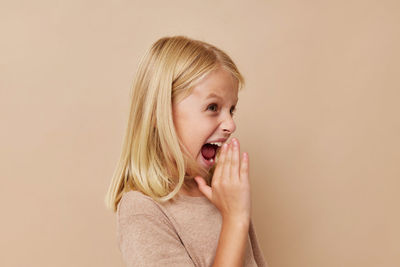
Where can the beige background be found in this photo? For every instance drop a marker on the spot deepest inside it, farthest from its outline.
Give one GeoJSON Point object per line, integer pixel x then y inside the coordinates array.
{"type": "Point", "coordinates": [319, 118]}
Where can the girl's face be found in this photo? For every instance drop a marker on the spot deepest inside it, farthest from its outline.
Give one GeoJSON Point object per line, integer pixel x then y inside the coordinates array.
{"type": "Point", "coordinates": [205, 116]}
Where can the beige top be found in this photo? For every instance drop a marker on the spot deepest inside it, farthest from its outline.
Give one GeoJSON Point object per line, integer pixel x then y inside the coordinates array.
{"type": "Point", "coordinates": [182, 232]}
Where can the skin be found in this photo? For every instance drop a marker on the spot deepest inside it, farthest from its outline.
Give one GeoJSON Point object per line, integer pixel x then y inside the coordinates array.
{"type": "Point", "coordinates": [230, 193]}
{"type": "Point", "coordinates": [199, 119]}
{"type": "Point", "coordinates": [230, 187]}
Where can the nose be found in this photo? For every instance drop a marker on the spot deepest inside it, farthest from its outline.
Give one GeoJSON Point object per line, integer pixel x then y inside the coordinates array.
{"type": "Point", "coordinates": [228, 124]}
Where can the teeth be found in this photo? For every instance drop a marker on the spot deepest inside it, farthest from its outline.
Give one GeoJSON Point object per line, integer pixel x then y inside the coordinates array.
{"type": "Point", "coordinates": [219, 144]}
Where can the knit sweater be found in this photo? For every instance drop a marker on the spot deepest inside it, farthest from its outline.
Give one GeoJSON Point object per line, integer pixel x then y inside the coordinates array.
{"type": "Point", "coordinates": [181, 232]}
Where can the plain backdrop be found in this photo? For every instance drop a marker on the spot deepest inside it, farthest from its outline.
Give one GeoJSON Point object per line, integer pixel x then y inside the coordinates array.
{"type": "Point", "coordinates": [319, 117]}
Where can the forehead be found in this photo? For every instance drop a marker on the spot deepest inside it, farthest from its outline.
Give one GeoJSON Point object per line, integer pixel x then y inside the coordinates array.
{"type": "Point", "coordinates": [217, 84]}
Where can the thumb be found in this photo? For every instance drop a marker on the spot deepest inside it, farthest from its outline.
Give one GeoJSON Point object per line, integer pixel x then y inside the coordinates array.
{"type": "Point", "coordinates": [203, 187]}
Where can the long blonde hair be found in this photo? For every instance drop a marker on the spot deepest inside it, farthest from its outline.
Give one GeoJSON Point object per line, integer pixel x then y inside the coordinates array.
{"type": "Point", "coordinates": [153, 160]}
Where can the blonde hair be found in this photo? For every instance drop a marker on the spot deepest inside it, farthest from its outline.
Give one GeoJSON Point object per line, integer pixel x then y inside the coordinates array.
{"type": "Point", "coordinates": [153, 160]}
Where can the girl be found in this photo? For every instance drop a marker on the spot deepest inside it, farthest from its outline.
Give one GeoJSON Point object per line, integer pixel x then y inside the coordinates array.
{"type": "Point", "coordinates": [181, 190]}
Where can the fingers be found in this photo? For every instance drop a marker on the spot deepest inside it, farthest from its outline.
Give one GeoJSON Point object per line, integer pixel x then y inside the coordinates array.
{"type": "Point", "coordinates": [235, 162]}
{"type": "Point", "coordinates": [220, 163]}
{"type": "Point", "coordinates": [229, 165]}
{"type": "Point", "coordinates": [226, 169]}
{"type": "Point", "coordinates": [244, 167]}
{"type": "Point", "coordinates": [203, 187]}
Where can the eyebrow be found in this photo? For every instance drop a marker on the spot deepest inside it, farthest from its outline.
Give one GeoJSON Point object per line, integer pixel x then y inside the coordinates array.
{"type": "Point", "coordinates": [213, 95]}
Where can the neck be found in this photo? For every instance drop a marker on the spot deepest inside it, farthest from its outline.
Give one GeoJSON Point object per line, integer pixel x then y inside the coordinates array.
{"type": "Point", "coordinates": [190, 188]}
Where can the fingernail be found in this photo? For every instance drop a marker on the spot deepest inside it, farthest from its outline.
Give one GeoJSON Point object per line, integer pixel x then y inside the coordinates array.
{"type": "Point", "coordinates": [235, 143]}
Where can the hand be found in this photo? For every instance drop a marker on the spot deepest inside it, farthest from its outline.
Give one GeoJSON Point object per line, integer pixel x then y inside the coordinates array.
{"type": "Point", "coordinates": [230, 187]}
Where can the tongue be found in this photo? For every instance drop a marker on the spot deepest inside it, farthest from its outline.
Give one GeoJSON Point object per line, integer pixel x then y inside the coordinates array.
{"type": "Point", "coordinates": [208, 151]}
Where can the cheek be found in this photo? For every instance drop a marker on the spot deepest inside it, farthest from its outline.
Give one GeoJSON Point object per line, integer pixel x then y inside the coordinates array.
{"type": "Point", "coordinates": [195, 139]}
{"type": "Point", "coordinates": [191, 138]}
{"type": "Point", "coordinates": [183, 127]}
{"type": "Point", "coordinates": [194, 131]}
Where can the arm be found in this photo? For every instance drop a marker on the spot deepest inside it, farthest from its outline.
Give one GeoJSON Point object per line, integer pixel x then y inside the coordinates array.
{"type": "Point", "coordinates": [232, 243]}
{"type": "Point", "coordinates": [257, 252]}
{"type": "Point", "coordinates": [230, 193]}
{"type": "Point", "coordinates": [147, 240]}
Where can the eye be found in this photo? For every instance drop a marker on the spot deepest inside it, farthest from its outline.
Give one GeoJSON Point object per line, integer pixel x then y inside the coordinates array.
{"type": "Point", "coordinates": [212, 107]}
{"type": "Point", "coordinates": [233, 110]}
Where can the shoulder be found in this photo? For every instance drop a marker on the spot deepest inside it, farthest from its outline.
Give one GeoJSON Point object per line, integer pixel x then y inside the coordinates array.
{"type": "Point", "coordinates": [134, 203]}
{"type": "Point", "coordinates": [142, 225]}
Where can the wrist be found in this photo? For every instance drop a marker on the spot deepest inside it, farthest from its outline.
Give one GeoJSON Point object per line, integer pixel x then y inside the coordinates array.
{"type": "Point", "coordinates": [238, 221]}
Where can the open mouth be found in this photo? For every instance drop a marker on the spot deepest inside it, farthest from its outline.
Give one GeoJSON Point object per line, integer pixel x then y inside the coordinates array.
{"type": "Point", "coordinates": [209, 152]}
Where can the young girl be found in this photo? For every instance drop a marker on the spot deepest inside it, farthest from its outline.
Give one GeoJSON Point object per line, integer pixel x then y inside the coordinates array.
{"type": "Point", "coordinates": [181, 190]}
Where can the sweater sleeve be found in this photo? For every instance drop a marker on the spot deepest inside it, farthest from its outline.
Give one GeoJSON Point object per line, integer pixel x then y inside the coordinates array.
{"type": "Point", "coordinates": [147, 240]}
{"type": "Point", "coordinates": [257, 252]}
